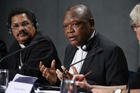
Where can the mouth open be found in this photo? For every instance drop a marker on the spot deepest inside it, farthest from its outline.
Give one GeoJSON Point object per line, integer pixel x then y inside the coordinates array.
{"type": "Point", "coordinates": [22, 35]}
{"type": "Point", "coordinates": [72, 38]}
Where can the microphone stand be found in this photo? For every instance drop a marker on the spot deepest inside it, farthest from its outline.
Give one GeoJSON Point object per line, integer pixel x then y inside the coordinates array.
{"type": "Point", "coordinates": [128, 88]}
{"type": "Point", "coordinates": [13, 53]}
{"type": "Point", "coordinates": [62, 82]}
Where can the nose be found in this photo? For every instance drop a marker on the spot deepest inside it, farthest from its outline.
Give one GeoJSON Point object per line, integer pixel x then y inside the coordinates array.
{"type": "Point", "coordinates": [134, 29]}
{"type": "Point", "coordinates": [21, 28]}
{"type": "Point", "coordinates": [70, 29]}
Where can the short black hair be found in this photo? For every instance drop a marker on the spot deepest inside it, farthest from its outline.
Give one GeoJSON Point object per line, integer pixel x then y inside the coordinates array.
{"type": "Point", "coordinates": [87, 13]}
{"type": "Point", "coordinates": [31, 16]}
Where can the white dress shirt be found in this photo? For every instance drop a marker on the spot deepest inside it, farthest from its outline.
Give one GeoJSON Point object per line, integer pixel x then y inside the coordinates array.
{"type": "Point", "coordinates": [79, 55]}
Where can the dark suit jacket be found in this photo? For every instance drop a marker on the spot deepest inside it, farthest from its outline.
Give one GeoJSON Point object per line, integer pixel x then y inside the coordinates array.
{"type": "Point", "coordinates": [105, 60]}
{"type": "Point", "coordinates": [41, 49]}
{"type": "Point", "coordinates": [3, 49]}
{"type": "Point", "coordinates": [135, 81]}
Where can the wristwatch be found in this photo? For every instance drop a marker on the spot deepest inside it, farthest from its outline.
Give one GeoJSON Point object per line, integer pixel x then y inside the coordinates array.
{"type": "Point", "coordinates": [118, 90]}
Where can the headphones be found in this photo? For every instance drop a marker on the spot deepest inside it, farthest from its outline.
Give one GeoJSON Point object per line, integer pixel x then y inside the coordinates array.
{"type": "Point", "coordinates": [87, 46]}
{"type": "Point", "coordinates": [84, 48]}
{"type": "Point", "coordinates": [30, 15]}
{"type": "Point", "coordinates": [9, 28]}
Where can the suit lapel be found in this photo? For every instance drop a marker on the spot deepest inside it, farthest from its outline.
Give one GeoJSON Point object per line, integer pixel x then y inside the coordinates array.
{"type": "Point", "coordinates": [93, 49]}
{"type": "Point", "coordinates": [89, 58]}
{"type": "Point", "coordinates": [25, 54]}
{"type": "Point", "coordinates": [70, 57]}
{"type": "Point", "coordinates": [13, 60]}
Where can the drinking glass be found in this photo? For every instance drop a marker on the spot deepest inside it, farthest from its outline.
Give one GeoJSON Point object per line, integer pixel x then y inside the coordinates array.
{"type": "Point", "coordinates": [4, 76]}
{"type": "Point", "coordinates": [70, 86]}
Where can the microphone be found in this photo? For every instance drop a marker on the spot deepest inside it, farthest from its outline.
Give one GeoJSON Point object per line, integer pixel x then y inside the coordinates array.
{"type": "Point", "coordinates": [97, 51]}
{"type": "Point", "coordinates": [15, 52]}
{"type": "Point", "coordinates": [63, 73]}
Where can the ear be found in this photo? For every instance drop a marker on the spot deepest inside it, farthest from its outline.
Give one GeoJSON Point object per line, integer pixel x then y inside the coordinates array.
{"type": "Point", "coordinates": [91, 22]}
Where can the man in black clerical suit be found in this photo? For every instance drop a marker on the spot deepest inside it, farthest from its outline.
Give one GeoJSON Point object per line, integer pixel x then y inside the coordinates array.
{"type": "Point", "coordinates": [23, 26]}
{"type": "Point", "coordinates": [134, 81]}
{"type": "Point", "coordinates": [135, 17]}
{"type": "Point", "coordinates": [104, 58]}
{"type": "Point", "coordinates": [3, 49]}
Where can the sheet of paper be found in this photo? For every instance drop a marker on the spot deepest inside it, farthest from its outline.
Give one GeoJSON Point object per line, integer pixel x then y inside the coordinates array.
{"type": "Point", "coordinates": [17, 87]}
{"type": "Point", "coordinates": [47, 91]}
{"type": "Point", "coordinates": [24, 79]}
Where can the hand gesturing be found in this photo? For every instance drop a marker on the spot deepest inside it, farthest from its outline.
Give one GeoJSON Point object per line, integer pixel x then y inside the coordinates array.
{"type": "Point", "coordinates": [49, 73]}
{"type": "Point", "coordinates": [67, 74]}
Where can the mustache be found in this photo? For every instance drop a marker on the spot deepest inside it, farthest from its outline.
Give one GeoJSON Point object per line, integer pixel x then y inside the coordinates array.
{"type": "Point", "coordinates": [22, 32]}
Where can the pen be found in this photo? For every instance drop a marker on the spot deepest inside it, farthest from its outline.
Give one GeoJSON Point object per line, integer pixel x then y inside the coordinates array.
{"type": "Point", "coordinates": [82, 78]}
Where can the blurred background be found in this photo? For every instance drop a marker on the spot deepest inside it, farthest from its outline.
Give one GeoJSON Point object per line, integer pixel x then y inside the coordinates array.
{"type": "Point", "coordinates": [111, 19]}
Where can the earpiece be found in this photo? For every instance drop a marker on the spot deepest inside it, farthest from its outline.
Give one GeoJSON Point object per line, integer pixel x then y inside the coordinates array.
{"type": "Point", "coordinates": [9, 31]}
{"type": "Point", "coordinates": [9, 28]}
{"type": "Point", "coordinates": [84, 48]}
{"type": "Point", "coordinates": [35, 23]}
{"type": "Point", "coordinates": [87, 45]}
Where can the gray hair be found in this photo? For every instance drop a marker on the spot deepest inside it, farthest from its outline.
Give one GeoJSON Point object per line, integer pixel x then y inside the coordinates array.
{"type": "Point", "coordinates": [135, 14]}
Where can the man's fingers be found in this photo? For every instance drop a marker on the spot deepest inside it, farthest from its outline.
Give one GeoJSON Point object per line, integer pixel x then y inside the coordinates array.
{"type": "Point", "coordinates": [67, 74]}
{"type": "Point", "coordinates": [80, 84]}
{"type": "Point", "coordinates": [64, 69]}
{"type": "Point", "coordinates": [53, 65]}
{"type": "Point", "coordinates": [47, 76]}
{"type": "Point", "coordinates": [74, 70]}
{"type": "Point", "coordinates": [44, 72]}
{"type": "Point", "coordinates": [41, 63]}
{"type": "Point", "coordinates": [59, 74]}
{"type": "Point", "coordinates": [42, 68]}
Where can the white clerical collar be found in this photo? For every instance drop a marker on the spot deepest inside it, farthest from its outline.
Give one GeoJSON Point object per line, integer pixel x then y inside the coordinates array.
{"type": "Point", "coordinates": [22, 46]}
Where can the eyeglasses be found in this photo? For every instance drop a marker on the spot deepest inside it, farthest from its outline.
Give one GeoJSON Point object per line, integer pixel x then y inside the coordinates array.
{"type": "Point", "coordinates": [23, 24]}
{"type": "Point", "coordinates": [133, 26]}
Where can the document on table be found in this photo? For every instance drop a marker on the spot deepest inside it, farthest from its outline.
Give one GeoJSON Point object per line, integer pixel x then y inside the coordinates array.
{"type": "Point", "coordinates": [46, 91]}
{"type": "Point", "coordinates": [18, 87]}
{"type": "Point", "coordinates": [24, 79]}
{"type": "Point", "coordinates": [21, 84]}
